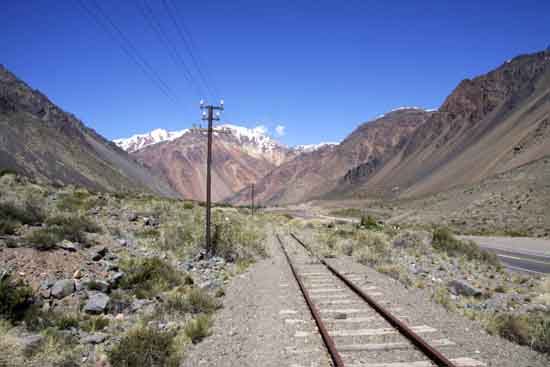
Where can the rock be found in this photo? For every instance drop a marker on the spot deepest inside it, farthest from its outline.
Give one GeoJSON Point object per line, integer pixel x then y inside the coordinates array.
{"type": "Point", "coordinates": [150, 221]}
{"type": "Point", "coordinates": [463, 288]}
{"type": "Point", "coordinates": [97, 303]}
{"type": "Point", "coordinates": [97, 285]}
{"type": "Point", "coordinates": [68, 246]}
{"type": "Point", "coordinates": [30, 343]}
{"type": "Point", "coordinates": [122, 242]}
{"type": "Point", "coordinates": [62, 288]}
{"type": "Point", "coordinates": [340, 316]}
{"type": "Point", "coordinates": [138, 304]}
{"type": "Point", "coordinates": [116, 277]}
{"type": "Point", "coordinates": [77, 274]}
{"type": "Point", "coordinates": [119, 317]}
{"type": "Point", "coordinates": [99, 254]}
{"type": "Point", "coordinates": [132, 217]}
{"type": "Point", "coordinates": [93, 339]}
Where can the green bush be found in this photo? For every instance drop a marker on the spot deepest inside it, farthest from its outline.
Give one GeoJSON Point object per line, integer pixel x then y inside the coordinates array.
{"type": "Point", "coordinates": [371, 248]}
{"type": "Point", "coordinates": [188, 205]}
{"type": "Point", "coordinates": [198, 328]}
{"type": "Point", "coordinates": [145, 347]}
{"type": "Point", "coordinates": [28, 214]}
{"type": "Point", "coordinates": [148, 233]}
{"type": "Point", "coordinates": [234, 237]}
{"type": "Point", "coordinates": [43, 239]}
{"type": "Point", "coordinates": [8, 226]}
{"type": "Point", "coordinates": [444, 240]}
{"type": "Point", "coordinates": [61, 228]}
{"type": "Point", "coordinates": [7, 171]}
{"type": "Point", "coordinates": [369, 222]}
{"type": "Point", "coordinates": [194, 301]}
{"type": "Point", "coordinates": [77, 200]}
{"type": "Point", "coordinates": [15, 298]}
{"type": "Point", "coordinates": [150, 276]}
{"type": "Point", "coordinates": [532, 329]}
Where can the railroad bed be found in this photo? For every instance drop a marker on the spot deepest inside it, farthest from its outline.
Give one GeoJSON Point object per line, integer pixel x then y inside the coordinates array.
{"type": "Point", "coordinates": [350, 323]}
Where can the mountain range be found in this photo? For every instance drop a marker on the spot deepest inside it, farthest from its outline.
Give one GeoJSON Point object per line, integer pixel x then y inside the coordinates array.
{"type": "Point", "coordinates": [488, 125]}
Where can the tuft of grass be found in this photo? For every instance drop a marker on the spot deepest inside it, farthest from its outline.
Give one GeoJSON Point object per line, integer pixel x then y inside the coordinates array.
{"type": "Point", "coordinates": [532, 329]}
{"type": "Point", "coordinates": [444, 240]}
{"type": "Point", "coordinates": [145, 346]}
{"type": "Point", "coordinates": [150, 276]}
{"type": "Point", "coordinates": [148, 233]}
{"type": "Point", "coordinates": [91, 324]}
{"type": "Point", "coordinates": [347, 212]}
{"type": "Point", "coordinates": [43, 239]}
{"type": "Point", "coordinates": [194, 301]}
{"type": "Point", "coordinates": [78, 200]}
{"type": "Point", "coordinates": [442, 297]}
{"type": "Point", "coordinates": [198, 328]}
{"type": "Point", "coordinates": [188, 205]}
{"type": "Point", "coordinates": [15, 299]}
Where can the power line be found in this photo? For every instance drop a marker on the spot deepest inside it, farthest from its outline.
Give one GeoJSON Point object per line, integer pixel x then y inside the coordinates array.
{"type": "Point", "coordinates": [185, 36]}
{"type": "Point", "coordinates": [129, 49]}
{"type": "Point", "coordinates": [162, 35]}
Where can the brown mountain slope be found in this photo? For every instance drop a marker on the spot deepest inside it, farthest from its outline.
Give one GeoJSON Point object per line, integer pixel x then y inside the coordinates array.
{"type": "Point", "coordinates": [488, 125]}
{"type": "Point", "coordinates": [312, 175]}
{"type": "Point", "coordinates": [42, 141]}
{"type": "Point", "coordinates": [237, 162]}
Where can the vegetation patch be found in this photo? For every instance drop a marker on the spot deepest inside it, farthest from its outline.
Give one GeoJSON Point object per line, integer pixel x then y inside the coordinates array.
{"type": "Point", "coordinates": [144, 346]}
{"type": "Point", "coordinates": [198, 328]}
{"type": "Point", "coordinates": [15, 298]}
{"type": "Point", "coordinates": [61, 228]}
{"type": "Point", "coordinates": [26, 214]}
{"type": "Point", "coordinates": [532, 329]}
{"type": "Point", "coordinates": [444, 240]}
{"type": "Point", "coordinates": [150, 276]}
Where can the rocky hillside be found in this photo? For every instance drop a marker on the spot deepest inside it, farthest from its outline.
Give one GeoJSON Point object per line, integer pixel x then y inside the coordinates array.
{"type": "Point", "coordinates": [42, 141]}
{"type": "Point", "coordinates": [488, 125]}
{"type": "Point", "coordinates": [316, 173]}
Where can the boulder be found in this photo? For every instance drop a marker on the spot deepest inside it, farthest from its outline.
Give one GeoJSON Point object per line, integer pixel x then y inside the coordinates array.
{"type": "Point", "coordinates": [463, 288]}
{"type": "Point", "coordinates": [97, 303]}
{"type": "Point", "coordinates": [407, 239]}
{"type": "Point", "coordinates": [132, 217]}
{"type": "Point", "coordinates": [62, 288]}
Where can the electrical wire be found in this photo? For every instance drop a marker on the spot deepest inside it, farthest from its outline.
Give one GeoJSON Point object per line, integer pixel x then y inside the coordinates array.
{"type": "Point", "coordinates": [128, 48]}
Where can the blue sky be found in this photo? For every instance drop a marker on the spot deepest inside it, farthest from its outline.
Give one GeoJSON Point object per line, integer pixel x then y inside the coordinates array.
{"type": "Point", "coordinates": [319, 68]}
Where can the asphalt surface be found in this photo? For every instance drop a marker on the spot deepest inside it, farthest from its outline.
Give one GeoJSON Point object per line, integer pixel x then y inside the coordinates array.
{"type": "Point", "coordinates": [529, 255]}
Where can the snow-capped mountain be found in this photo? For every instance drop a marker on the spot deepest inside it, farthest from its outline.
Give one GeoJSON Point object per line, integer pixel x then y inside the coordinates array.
{"type": "Point", "coordinates": [308, 148]}
{"type": "Point", "coordinates": [139, 141]}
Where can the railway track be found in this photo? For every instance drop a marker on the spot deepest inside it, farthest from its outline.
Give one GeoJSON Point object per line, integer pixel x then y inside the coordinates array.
{"type": "Point", "coordinates": [356, 327]}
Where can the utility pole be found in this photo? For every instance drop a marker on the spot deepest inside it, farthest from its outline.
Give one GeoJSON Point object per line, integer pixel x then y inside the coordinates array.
{"type": "Point", "coordinates": [252, 206]}
{"type": "Point", "coordinates": [208, 115]}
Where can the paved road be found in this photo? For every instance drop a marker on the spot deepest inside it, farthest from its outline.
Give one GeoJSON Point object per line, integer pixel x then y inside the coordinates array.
{"type": "Point", "coordinates": [531, 255]}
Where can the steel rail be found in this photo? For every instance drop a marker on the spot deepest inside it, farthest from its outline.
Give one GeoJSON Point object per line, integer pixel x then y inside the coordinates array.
{"type": "Point", "coordinates": [433, 354]}
{"type": "Point", "coordinates": [327, 339]}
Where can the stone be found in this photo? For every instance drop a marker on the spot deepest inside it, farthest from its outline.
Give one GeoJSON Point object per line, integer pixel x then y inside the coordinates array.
{"type": "Point", "coordinates": [97, 285]}
{"type": "Point", "coordinates": [62, 288]}
{"type": "Point", "coordinates": [99, 254]}
{"type": "Point", "coordinates": [77, 274]}
{"type": "Point", "coordinates": [97, 303]}
{"type": "Point", "coordinates": [68, 246]}
{"type": "Point", "coordinates": [463, 288]}
{"type": "Point", "coordinates": [132, 217]}
{"type": "Point", "coordinates": [150, 221]}
{"type": "Point", "coordinates": [94, 339]}
{"type": "Point", "coordinates": [116, 277]}
{"type": "Point", "coordinates": [122, 242]}
{"type": "Point", "coordinates": [30, 343]}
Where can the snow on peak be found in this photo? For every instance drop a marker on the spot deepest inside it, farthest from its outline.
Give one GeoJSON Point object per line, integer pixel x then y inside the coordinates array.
{"type": "Point", "coordinates": [257, 136]}
{"type": "Point", "coordinates": [307, 148]}
{"type": "Point", "coordinates": [140, 141]}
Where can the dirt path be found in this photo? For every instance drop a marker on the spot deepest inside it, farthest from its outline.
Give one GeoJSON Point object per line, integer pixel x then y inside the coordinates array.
{"type": "Point", "coordinates": [255, 327]}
